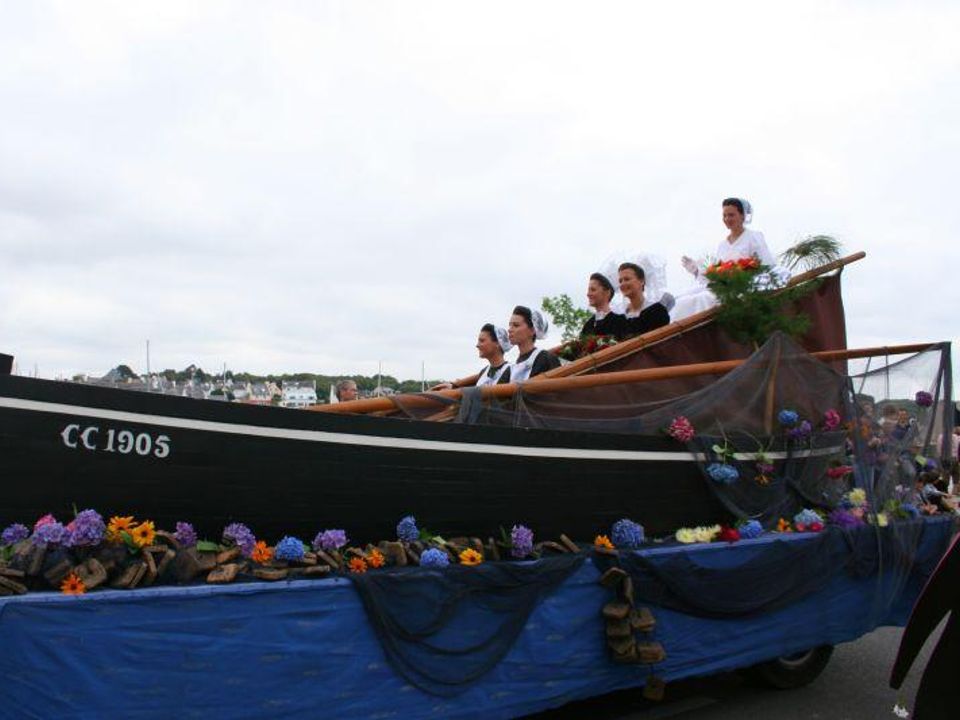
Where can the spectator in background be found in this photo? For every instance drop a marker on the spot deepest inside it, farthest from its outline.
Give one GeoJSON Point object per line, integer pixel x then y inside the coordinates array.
{"type": "Point", "coordinates": [346, 390]}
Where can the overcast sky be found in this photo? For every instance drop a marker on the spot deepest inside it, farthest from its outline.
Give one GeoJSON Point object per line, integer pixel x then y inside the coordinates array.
{"type": "Point", "coordinates": [318, 186]}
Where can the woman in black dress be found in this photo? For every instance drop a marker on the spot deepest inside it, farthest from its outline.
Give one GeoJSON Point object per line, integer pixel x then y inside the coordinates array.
{"type": "Point", "coordinates": [605, 322]}
{"type": "Point", "coordinates": [640, 316]}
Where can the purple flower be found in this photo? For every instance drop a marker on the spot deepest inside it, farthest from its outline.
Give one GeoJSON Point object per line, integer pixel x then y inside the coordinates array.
{"type": "Point", "coordinates": [434, 557]}
{"type": "Point", "coordinates": [844, 518]}
{"type": "Point", "coordinates": [86, 529]}
{"type": "Point", "coordinates": [627, 534]}
{"type": "Point", "coordinates": [241, 536]}
{"type": "Point", "coordinates": [185, 535]}
{"type": "Point", "coordinates": [801, 431]}
{"type": "Point", "coordinates": [15, 533]}
{"type": "Point", "coordinates": [330, 540]}
{"type": "Point", "coordinates": [750, 529]}
{"type": "Point", "coordinates": [923, 398]}
{"type": "Point", "coordinates": [521, 539]}
{"type": "Point", "coordinates": [407, 529]}
{"type": "Point", "coordinates": [289, 548]}
{"type": "Point", "coordinates": [49, 533]}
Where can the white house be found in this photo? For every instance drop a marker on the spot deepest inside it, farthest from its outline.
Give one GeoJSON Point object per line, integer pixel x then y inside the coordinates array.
{"type": "Point", "coordinates": [299, 394]}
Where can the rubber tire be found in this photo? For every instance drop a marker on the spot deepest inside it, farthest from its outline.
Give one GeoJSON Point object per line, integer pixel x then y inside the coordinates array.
{"type": "Point", "coordinates": [793, 671]}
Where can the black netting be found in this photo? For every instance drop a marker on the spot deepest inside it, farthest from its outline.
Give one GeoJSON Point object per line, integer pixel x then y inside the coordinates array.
{"type": "Point", "coordinates": [442, 630]}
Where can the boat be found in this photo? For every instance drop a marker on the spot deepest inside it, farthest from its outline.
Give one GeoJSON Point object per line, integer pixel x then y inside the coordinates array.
{"type": "Point", "coordinates": [65, 446]}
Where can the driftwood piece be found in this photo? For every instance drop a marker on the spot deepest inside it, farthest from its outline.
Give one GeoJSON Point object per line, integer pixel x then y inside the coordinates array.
{"type": "Point", "coordinates": [228, 555]}
{"type": "Point", "coordinates": [270, 574]}
{"type": "Point", "coordinates": [11, 572]}
{"type": "Point", "coordinates": [131, 576]}
{"type": "Point", "coordinates": [55, 575]}
{"type": "Point", "coordinates": [612, 578]}
{"type": "Point", "coordinates": [626, 590]}
{"type": "Point", "coordinates": [618, 628]}
{"type": "Point", "coordinates": [623, 647]}
{"type": "Point", "coordinates": [8, 586]}
{"type": "Point", "coordinates": [168, 538]}
{"type": "Point", "coordinates": [492, 551]}
{"type": "Point", "coordinates": [612, 552]}
{"type": "Point", "coordinates": [551, 546]}
{"type": "Point", "coordinates": [310, 571]}
{"type": "Point", "coordinates": [394, 552]}
{"type": "Point", "coordinates": [188, 564]}
{"type": "Point", "coordinates": [224, 574]}
{"type": "Point", "coordinates": [642, 620]}
{"type": "Point", "coordinates": [654, 688]}
{"type": "Point", "coordinates": [36, 554]}
{"type": "Point", "coordinates": [91, 573]}
{"type": "Point", "coordinates": [650, 653]}
{"type": "Point", "coordinates": [308, 558]}
{"type": "Point", "coordinates": [412, 555]}
{"type": "Point", "coordinates": [151, 574]}
{"type": "Point", "coordinates": [331, 558]}
{"type": "Point", "coordinates": [569, 544]}
{"type": "Point", "coordinates": [616, 610]}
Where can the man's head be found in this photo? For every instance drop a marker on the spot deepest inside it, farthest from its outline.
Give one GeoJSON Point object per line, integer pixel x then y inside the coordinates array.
{"type": "Point", "coordinates": [346, 390]}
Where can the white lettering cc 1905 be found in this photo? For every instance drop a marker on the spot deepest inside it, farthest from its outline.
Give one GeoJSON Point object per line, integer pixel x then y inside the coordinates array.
{"type": "Point", "coordinates": [91, 437]}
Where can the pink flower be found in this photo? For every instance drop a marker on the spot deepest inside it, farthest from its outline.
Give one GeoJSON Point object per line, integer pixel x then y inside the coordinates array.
{"type": "Point", "coordinates": [45, 520]}
{"type": "Point", "coordinates": [681, 429]}
{"type": "Point", "coordinates": [831, 419]}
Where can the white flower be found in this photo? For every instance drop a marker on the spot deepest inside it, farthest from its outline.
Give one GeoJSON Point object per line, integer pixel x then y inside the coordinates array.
{"type": "Point", "coordinates": [900, 712]}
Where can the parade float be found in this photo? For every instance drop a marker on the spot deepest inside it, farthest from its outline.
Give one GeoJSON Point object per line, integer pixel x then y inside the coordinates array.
{"type": "Point", "coordinates": [681, 503]}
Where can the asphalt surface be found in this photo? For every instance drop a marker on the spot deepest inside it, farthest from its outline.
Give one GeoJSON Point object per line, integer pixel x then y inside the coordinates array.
{"type": "Point", "coordinates": [852, 687]}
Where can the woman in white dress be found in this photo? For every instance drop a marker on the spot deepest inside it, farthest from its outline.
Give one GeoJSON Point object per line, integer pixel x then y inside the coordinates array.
{"type": "Point", "coordinates": [739, 243]}
{"type": "Point", "coordinates": [492, 344]}
{"type": "Point", "coordinates": [525, 328]}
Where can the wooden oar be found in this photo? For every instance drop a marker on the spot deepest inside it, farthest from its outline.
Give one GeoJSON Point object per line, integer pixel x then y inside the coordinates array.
{"type": "Point", "coordinates": [549, 385]}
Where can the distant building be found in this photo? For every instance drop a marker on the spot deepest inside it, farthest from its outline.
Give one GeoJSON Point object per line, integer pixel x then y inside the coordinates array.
{"type": "Point", "coordinates": [299, 394]}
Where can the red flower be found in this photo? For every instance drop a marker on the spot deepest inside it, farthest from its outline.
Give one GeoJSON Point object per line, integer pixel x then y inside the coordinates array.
{"type": "Point", "coordinates": [728, 534]}
{"type": "Point", "coordinates": [815, 527]}
{"type": "Point", "coordinates": [835, 473]}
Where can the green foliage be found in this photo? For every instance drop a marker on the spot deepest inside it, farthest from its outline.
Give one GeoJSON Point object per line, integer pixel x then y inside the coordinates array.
{"type": "Point", "coordinates": [811, 252]}
{"type": "Point", "coordinates": [750, 315]}
{"type": "Point", "coordinates": [565, 315]}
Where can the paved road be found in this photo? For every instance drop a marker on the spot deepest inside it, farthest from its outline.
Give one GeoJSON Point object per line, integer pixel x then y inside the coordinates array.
{"type": "Point", "coordinates": [853, 687]}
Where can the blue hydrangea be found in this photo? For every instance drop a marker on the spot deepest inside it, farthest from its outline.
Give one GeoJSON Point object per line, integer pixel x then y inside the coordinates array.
{"type": "Point", "coordinates": [49, 534]}
{"type": "Point", "coordinates": [407, 529]}
{"type": "Point", "coordinates": [627, 534]}
{"type": "Point", "coordinates": [15, 533]}
{"type": "Point", "coordinates": [434, 557]}
{"type": "Point", "coordinates": [751, 529]}
{"type": "Point", "coordinates": [185, 535]}
{"type": "Point", "coordinates": [521, 541]}
{"type": "Point", "coordinates": [807, 517]}
{"type": "Point", "coordinates": [330, 540]}
{"type": "Point", "coordinates": [289, 548]}
{"type": "Point", "coordinates": [723, 473]}
{"type": "Point", "coordinates": [788, 418]}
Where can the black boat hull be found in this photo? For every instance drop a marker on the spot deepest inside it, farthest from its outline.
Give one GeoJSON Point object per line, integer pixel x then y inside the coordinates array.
{"type": "Point", "coordinates": [65, 446]}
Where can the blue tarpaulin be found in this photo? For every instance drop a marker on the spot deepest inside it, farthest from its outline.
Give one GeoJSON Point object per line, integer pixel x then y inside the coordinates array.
{"type": "Point", "coordinates": [305, 649]}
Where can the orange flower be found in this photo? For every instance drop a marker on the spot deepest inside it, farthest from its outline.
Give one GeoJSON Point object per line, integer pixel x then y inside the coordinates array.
{"type": "Point", "coordinates": [262, 553]}
{"type": "Point", "coordinates": [143, 534]}
{"type": "Point", "coordinates": [602, 541]}
{"type": "Point", "coordinates": [117, 525]}
{"type": "Point", "coordinates": [376, 559]}
{"type": "Point", "coordinates": [358, 565]}
{"type": "Point", "coordinates": [784, 526]}
{"type": "Point", "coordinates": [470, 557]}
{"type": "Point", "coordinates": [72, 585]}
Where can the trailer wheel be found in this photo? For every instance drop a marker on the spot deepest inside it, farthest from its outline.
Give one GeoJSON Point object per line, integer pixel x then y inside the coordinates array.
{"type": "Point", "coordinates": [793, 671]}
